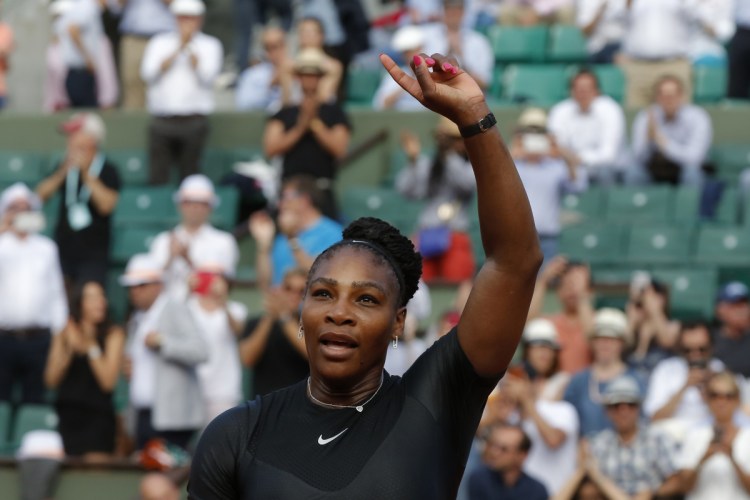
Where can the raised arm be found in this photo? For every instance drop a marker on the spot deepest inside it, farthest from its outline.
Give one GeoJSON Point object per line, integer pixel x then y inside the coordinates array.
{"type": "Point", "coordinates": [495, 313]}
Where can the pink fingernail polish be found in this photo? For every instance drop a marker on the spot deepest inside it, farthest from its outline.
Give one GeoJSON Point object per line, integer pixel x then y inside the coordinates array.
{"type": "Point", "coordinates": [454, 70]}
{"type": "Point", "coordinates": [417, 60]}
{"type": "Point", "coordinates": [430, 61]}
{"type": "Point", "coordinates": [447, 66]}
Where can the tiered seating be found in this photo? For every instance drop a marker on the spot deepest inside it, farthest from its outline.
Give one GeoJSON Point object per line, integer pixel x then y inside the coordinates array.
{"type": "Point", "coordinates": [384, 203]}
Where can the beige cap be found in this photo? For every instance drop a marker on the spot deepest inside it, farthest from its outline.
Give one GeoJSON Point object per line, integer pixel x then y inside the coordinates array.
{"type": "Point", "coordinates": [88, 123]}
{"type": "Point", "coordinates": [612, 323]}
{"type": "Point", "coordinates": [541, 331]}
{"type": "Point", "coordinates": [310, 61]}
{"type": "Point", "coordinates": [196, 187]}
{"type": "Point", "coordinates": [533, 118]}
{"type": "Point", "coordinates": [142, 269]}
{"type": "Point", "coordinates": [623, 389]}
{"type": "Point", "coordinates": [187, 7]}
{"type": "Point", "coordinates": [408, 38]}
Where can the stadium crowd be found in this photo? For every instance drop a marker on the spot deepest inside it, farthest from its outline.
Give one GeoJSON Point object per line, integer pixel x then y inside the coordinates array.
{"type": "Point", "coordinates": [628, 402]}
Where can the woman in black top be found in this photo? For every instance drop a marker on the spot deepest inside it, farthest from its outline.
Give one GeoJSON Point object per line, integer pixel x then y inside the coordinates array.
{"type": "Point", "coordinates": [351, 431]}
{"type": "Point", "coordinates": [83, 366]}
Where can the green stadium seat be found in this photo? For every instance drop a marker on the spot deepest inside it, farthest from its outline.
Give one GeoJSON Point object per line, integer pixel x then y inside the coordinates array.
{"type": "Point", "coordinates": [567, 44]}
{"type": "Point", "coordinates": [512, 44]}
{"type": "Point", "coordinates": [216, 163]}
{"type": "Point", "coordinates": [32, 417]}
{"type": "Point", "coordinates": [687, 206]}
{"type": "Point", "coordinates": [723, 246]}
{"type": "Point", "coordinates": [611, 81]}
{"type": "Point", "coordinates": [653, 245]}
{"type": "Point", "coordinates": [585, 206]}
{"type": "Point", "coordinates": [542, 85]}
{"type": "Point", "coordinates": [648, 203]}
{"type": "Point", "coordinates": [224, 215]}
{"type": "Point", "coordinates": [731, 159]}
{"type": "Point", "coordinates": [361, 86]}
{"type": "Point", "coordinates": [17, 166]}
{"type": "Point", "coordinates": [691, 291]}
{"type": "Point", "coordinates": [132, 165]}
{"type": "Point", "coordinates": [128, 241]}
{"type": "Point", "coordinates": [148, 205]}
{"type": "Point", "coordinates": [5, 426]}
{"type": "Point", "coordinates": [245, 154]}
{"type": "Point", "coordinates": [496, 85]}
{"type": "Point", "coordinates": [709, 83]}
{"type": "Point", "coordinates": [117, 295]}
{"type": "Point", "coordinates": [594, 243]}
{"type": "Point", "coordinates": [384, 203]}
{"type": "Point", "coordinates": [729, 207]}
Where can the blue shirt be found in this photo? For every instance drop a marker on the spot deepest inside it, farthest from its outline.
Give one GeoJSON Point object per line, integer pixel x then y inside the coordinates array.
{"type": "Point", "coordinates": [486, 484]}
{"type": "Point", "coordinates": [313, 241]}
{"type": "Point", "coordinates": [584, 394]}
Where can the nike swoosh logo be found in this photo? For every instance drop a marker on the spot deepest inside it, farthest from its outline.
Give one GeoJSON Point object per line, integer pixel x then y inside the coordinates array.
{"type": "Point", "coordinates": [322, 441]}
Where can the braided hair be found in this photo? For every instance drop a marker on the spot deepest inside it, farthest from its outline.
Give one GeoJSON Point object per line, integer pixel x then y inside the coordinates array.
{"type": "Point", "coordinates": [387, 244]}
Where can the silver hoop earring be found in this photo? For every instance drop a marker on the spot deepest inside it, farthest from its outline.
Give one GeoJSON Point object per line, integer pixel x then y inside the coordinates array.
{"type": "Point", "coordinates": [301, 332]}
{"type": "Point", "coordinates": [395, 342]}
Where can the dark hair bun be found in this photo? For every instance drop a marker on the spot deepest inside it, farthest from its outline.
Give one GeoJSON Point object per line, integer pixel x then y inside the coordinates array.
{"type": "Point", "coordinates": [398, 247]}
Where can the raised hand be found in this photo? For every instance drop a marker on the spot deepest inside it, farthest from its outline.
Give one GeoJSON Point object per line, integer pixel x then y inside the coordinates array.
{"type": "Point", "coordinates": [446, 90]}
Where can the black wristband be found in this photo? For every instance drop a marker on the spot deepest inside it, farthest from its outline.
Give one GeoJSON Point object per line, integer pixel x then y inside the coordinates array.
{"type": "Point", "coordinates": [482, 125]}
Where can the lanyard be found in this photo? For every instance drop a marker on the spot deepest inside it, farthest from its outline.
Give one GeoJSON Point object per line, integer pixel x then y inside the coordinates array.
{"type": "Point", "coordinates": [72, 196]}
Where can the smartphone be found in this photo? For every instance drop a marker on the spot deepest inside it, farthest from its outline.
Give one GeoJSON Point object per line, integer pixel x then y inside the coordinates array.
{"type": "Point", "coordinates": [203, 281]}
{"type": "Point", "coordinates": [29, 222]}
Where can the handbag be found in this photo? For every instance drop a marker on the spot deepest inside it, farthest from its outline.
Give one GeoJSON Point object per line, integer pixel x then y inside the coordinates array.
{"type": "Point", "coordinates": [434, 241]}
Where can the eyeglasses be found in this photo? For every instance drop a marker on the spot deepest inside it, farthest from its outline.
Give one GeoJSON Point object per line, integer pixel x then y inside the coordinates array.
{"type": "Point", "coordinates": [617, 406]}
{"type": "Point", "coordinates": [500, 447]}
{"type": "Point", "coordinates": [729, 396]}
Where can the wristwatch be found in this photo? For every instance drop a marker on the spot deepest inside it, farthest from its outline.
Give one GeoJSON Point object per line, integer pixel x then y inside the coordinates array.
{"type": "Point", "coordinates": [482, 125]}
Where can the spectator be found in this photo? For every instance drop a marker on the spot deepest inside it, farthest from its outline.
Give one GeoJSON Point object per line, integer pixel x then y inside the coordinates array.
{"type": "Point", "coordinates": [176, 250]}
{"type": "Point", "coordinates": [732, 335]}
{"type": "Point", "coordinates": [410, 345]}
{"type": "Point", "coordinates": [158, 486]}
{"type": "Point", "coordinates": [313, 136]}
{"type": "Point", "coordinates": [179, 69]}
{"type": "Point", "coordinates": [589, 483]}
{"type": "Point", "coordinates": [7, 45]}
{"type": "Point", "coordinates": [165, 349]}
{"type": "Point", "coordinates": [221, 320]}
{"type": "Point", "coordinates": [141, 20]}
{"type": "Point", "coordinates": [55, 95]}
{"type": "Point", "coordinates": [446, 184]}
{"type": "Point", "coordinates": [603, 24]}
{"type": "Point", "coordinates": [80, 30]}
{"type": "Point", "coordinates": [591, 126]}
{"type": "Point", "coordinates": [83, 368]}
{"type": "Point", "coordinates": [572, 282]}
{"type": "Point", "coordinates": [552, 427]}
{"type": "Point", "coordinates": [502, 475]}
{"type": "Point", "coordinates": [677, 383]}
{"type": "Point", "coordinates": [656, 43]}
{"type": "Point", "coordinates": [654, 332]}
{"type": "Point", "coordinates": [671, 138]}
{"type": "Point", "coordinates": [408, 41]}
{"type": "Point", "coordinates": [311, 35]}
{"type": "Point", "coordinates": [712, 29]}
{"type": "Point", "coordinates": [259, 86]}
{"type": "Point", "coordinates": [541, 360]}
{"type": "Point", "coordinates": [470, 48]}
{"type": "Point", "coordinates": [532, 12]}
{"type": "Point", "coordinates": [716, 464]}
{"type": "Point", "coordinates": [548, 171]}
{"type": "Point", "coordinates": [738, 53]}
{"type": "Point", "coordinates": [270, 343]}
{"type": "Point", "coordinates": [609, 340]}
{"type": "Point", "coordinates": [33, 306]}
{"type": "Point", "coordinates": [88, 189]}
{"type": "Point", "coordinates": [304, 232]}
{"type": "Point", "coordinates": [640, 461]}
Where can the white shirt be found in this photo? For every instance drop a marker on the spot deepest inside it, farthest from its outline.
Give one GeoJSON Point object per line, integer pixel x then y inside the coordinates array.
{"type": "Point", "coordinates": [221, 375]}
{"type": "Point", "coordinates": [477, 56]}
{"type": "Point", "coordinates": [553, 467]}
{"type": "Point", "coordinates": [87, 16]}
{"type": "Point", "coordinates": [597, 136]}
{"type": "Point", "coordinates": [181, 90]}
{"type": "Point", "coordinates": [144, 359]}
{"type": "Point", "coordinates": [717, 477]}
{"type": "Point", "coordinates": [32, 293]}
{"type": "Point", "coordinates": [611, 26]}
{"type": "Point", "coordinates": [208, 244]}
{"type": "Point", "coordinates": [666, 380]}
{"type": "Point", "coordinates": [716, 15]}
{"type": "Point", "coordinates": [658, 29]}
{"type": "Point", "coordinates": [388, 86]}
{"type": "Point", "coordinates": [742, 13]}
{"type": "Point", "coordinates": [254, 90]}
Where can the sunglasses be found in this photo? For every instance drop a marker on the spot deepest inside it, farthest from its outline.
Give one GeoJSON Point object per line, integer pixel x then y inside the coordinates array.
{"type": "Point", "coordinates": [617, 406]}
{"type": "Point", "coordinates": [501, 447]}
{"type": "Point", "coordinates": [729, 396]}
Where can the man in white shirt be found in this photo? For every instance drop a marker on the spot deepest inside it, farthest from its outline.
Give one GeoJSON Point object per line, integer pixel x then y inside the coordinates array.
{"type": "Point", "coordinates": [738, 53]}
{"type": "Point", "coordinates": [259, 86]}
{"type": "Point", "coordinates": [165, 348]}
{"type": "Point", "coordinates": [671, 138]}
{"type": "Point", "coordinates": [592, 126]}
{"type": "Point", "coordinates": [603, 23]}
{"type": "Point", "coordinates": [532, 12]}
{"type": "Point", "coordinates": [194, 238]}
{"type": "Point", "coordinates": [656, 43]}
{"type": "Point", "coordinates": [408, 41]}
{"type": "Point", "coordinates": [32, 295]}
{"type": "Point", "coordinates": [79, 30]}
{"type": "Point", "coordinates": [179, 69]}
